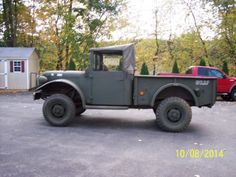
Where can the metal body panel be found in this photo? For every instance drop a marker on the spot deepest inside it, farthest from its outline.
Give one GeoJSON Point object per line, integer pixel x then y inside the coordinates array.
{"type": "Point", "coordinates": [174, 85]}
{"type": "Point", "coordinates": [110, 88]}
{"type": "Point", "coordinates": [151, 86]}
{"type": "Point", "coordinates": [72, 84]}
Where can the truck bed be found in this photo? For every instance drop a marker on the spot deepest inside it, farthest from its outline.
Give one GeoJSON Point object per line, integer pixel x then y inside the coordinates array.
{"type": "Point", "coordinates": [203, 89]}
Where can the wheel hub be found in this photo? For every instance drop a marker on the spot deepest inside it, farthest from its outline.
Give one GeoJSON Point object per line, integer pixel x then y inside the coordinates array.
{"type": "Point", "coordinates": [58, 110]}
{"type": "Point", "coordinates": [174, 115]}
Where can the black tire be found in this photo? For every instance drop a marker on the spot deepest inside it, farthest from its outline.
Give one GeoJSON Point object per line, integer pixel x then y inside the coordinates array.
{"type": "Point", "coordinates": [59, 110]}
{"type": "Point", "coordinates": [173, 114]}
{"type": "Point", "coordinates": [233, 94]}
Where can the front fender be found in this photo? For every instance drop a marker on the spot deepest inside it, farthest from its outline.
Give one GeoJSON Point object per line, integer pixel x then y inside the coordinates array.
{"type": "Point", "coordinates": [77, 88]}
{"type": "Point", "coordinates": [173, 85]}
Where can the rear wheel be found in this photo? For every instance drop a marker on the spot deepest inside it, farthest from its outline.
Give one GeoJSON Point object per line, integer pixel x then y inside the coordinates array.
{"type": "Point", "coordinates": [233, 94]}
{"type": "Point", "coordinates": [59, 110]}
{"type": "Point", "coordinates": [173, 114]}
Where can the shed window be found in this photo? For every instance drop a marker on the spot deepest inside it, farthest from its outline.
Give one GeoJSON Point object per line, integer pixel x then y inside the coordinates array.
{"type": "Point", "coordinates": [17, 66]}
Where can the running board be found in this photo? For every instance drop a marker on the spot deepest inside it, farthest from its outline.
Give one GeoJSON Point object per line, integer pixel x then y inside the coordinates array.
{"type": "Point", "coordinates": [105, 107]}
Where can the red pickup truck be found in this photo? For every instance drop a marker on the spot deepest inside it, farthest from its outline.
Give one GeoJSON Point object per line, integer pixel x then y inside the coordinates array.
{"type": "Point", "coordinates": [226, 85]}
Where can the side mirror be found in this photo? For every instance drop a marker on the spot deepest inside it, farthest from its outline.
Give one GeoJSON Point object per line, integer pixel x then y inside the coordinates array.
{"type": "Point", "coordinates": [224, 76]}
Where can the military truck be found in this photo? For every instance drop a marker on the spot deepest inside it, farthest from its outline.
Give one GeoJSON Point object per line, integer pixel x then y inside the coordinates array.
{"type": "Point", "coordinates": [110, 83]}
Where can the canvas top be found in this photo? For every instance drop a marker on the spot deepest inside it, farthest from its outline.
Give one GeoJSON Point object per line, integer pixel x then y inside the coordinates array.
{"type": "Point", "coordinates": [127, 51]}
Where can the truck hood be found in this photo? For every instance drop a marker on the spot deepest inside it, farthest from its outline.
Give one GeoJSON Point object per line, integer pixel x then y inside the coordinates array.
{"type": "Point", "coordinates": [54, 75]}
{"type": "Point", "coordinates": [232, 79]}
{"type": "Point", "coordinates": [62, 74]}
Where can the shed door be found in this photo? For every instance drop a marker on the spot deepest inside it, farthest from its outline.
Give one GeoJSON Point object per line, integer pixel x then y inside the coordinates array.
{"type": "Point", "coordinates": [3, 74]}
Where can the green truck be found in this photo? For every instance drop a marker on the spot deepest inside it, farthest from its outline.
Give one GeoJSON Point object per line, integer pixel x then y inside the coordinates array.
{"type": "Point", "coordinates": [111, 83]}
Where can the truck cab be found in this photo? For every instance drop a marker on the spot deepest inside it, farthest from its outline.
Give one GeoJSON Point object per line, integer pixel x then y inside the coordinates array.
{"type": "Point", "coordinates": [111, 74]}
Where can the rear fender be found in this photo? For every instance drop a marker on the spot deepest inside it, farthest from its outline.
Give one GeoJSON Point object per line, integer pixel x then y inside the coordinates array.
{"type": "Point", "coordinates": [174, 85]}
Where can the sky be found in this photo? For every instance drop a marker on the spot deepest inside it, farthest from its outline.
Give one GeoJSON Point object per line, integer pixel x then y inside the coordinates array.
{"type": "Point", "coordinates": [171, 15]}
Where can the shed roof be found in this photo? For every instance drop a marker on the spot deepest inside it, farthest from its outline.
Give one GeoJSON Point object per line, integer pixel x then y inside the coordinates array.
{"type": "Point", "coordinates": [15, 52]}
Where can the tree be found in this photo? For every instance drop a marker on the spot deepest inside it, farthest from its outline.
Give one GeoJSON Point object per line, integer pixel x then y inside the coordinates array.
{"type": "Point", "coordinates": [202, 62]}
{"type": "Point", "coordinates": [144, 69]}
{"type": "Point", "coordinates": [16, 22]}
{"type": "Point", "coordinates": [175, 68]}
{"type": "Point", "coordinates": [10, 21]}
{"type": "Point", "coordinates": [225, 67]}
{"type": "Point", "coordinates": [74, 26]}
{"type": "Point", "coordinates": [71, 65]}
{"type": "Point", "coordinates": [226, 10]}
{"type": "Point", "coordinates": [190, 5]}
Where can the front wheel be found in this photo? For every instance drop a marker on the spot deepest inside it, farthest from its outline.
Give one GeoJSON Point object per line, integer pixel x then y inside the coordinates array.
{"type": "Point", "coordinates": [173, 114]}
{"type": "Point", "coordinates": [233, 94]}
{"type": "Point", "coordinates": [59, 110]}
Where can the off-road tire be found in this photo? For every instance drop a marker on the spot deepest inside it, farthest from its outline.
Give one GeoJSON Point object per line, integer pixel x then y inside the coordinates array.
{"type": "Point", "coordinates": [59, 110]}
{"type": "Point", "coordinates": [173, 114]}
{"type": "Point", "coordinates": [233, 94]}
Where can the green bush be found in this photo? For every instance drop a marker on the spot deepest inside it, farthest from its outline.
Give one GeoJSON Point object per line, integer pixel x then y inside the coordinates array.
{"type": "Point", "coordinates": [144, 69]}
{"type": "Point", "coordinates": [225, 67]}
{"type": "Point", "coordinates": [175, 68]}
{"type": "Point", "coordinates": [202, 62]}
{"type": "Point", "coordinates": [71, 65]}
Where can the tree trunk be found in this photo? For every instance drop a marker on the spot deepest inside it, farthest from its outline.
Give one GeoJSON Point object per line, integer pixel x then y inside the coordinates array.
{"type": "Point", "coordinates": [197, 29]}
{"type": "Point", "coordinates": [10, 20]}
{"type": "Point", "coordinates": [70, 28]}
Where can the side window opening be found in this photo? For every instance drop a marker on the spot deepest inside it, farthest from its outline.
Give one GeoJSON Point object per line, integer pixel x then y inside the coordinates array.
{"type": "Point", "coordinates": [107, 62]}
{"type": "Point", "coordinates": [202, 71]}
{"type": "Point", "coordinates": [98, 60]}
{"type": "Point", "coordinates": [215, 73]}
{"type": "Point", "coordinates": [113, 62]}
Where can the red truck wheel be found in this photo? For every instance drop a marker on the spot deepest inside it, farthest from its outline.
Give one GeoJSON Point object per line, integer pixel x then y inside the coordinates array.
{"type": "Point", "coordinates": [173, 114]}
{"type": "Point", "coordinates": [233, 94]}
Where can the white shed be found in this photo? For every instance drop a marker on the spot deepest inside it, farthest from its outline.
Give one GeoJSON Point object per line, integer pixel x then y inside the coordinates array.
{"type": "Point", "coordinates": [19, 68]}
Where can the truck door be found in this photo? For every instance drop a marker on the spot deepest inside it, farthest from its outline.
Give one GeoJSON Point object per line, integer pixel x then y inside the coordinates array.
{"type": "Point", "coordinates": [223, 84]}
{"type": "Point", "coordinates": [109, 84]}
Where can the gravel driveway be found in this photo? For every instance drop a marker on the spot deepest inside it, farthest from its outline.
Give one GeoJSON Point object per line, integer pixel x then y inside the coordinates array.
{"type": "Point", "coordinates": [114, 143]}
